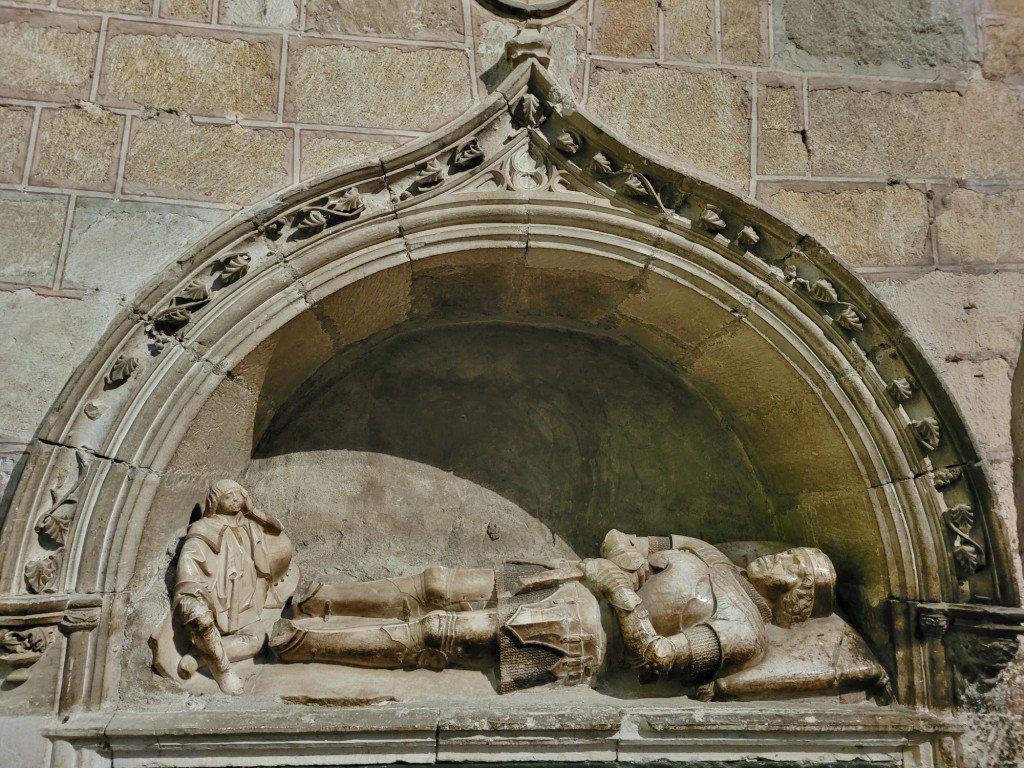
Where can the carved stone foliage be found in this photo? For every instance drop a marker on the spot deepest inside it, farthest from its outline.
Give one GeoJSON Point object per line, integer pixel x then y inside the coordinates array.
{"type": "Point", "coordinates": [529, 171]}
{"type": "Point", "coordinates": [167, 322]}
{"type": "Point", "coordinates": [52, 526]}
{"type": "Point", "coordinates": [901, 389]}
{"type": "Point", "coordinates": [968, 553]}
{"type": "Point", "coordinates": [927, 431]}
{"type": "Point", "coordinates": [322, 214]}
{"type": "Point", "coordinates": [821, 291]}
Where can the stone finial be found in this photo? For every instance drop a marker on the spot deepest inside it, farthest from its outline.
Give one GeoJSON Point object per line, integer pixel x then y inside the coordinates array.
{"type": "Point", "coordinates": [529, 43]}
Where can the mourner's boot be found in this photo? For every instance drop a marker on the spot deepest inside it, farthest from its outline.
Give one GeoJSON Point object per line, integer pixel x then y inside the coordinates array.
{"type": "Point", "coordinates": [209, 642]}
{"type": "Point", "coordinates": [434, 641]}
{"type": "Point", "coordinates": [405, 597]}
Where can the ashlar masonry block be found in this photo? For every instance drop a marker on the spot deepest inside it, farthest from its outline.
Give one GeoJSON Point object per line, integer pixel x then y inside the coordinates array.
{"type": "Point", "coordinates": [15, 123]}
{"type": "Point", "coordinates": [78, 147]}
{"type": "Point", "coordinates": [975, 227]}
{"type": "Point", "coordinates": [865, 227]}
{"type": "Point", "coordinates": [61, 50]}
{"type": "Point", "coordinates": [701, 119]}
{"type": "Point", "coordinates": [406, 19]}
{"type": "Point", "coordinates": [379, 88]}
{"type": "Point", "coordinates": [688, 30]}
{"type": "Point", "coordinates": [196, 74]}
{"type": "Point", "coordinates": [31, 227]}
{"type": "Point", "coordinates": [172, 157]}
{"type": "Point", "coordinates": [928, 134]}
{"type": "Point", "coordinates": [625, 27]}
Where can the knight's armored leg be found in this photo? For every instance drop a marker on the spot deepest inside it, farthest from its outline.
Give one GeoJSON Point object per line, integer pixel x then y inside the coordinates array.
{"type": "Point", "coordinates": [404, 597]}
{"type": "Point", "coordinates": [206, 638]}
{"type": "Point", "coordinates": [437, 640]}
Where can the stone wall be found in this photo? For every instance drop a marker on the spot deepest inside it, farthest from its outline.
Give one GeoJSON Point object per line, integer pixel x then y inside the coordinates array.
{"type": "Point", "coordinates": [892, 131]}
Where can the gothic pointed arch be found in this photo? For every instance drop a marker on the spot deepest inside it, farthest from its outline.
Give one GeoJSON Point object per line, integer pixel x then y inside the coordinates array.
{"type": "Point", "coordinates": [524, 213]}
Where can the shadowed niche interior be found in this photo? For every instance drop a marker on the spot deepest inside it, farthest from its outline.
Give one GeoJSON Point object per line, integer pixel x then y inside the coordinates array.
{"type": "Point", "coordinates": [462, 444]}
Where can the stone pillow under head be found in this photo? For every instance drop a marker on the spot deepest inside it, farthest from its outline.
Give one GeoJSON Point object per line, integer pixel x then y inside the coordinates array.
{"type": "Point", "coordinates": [820, 656]}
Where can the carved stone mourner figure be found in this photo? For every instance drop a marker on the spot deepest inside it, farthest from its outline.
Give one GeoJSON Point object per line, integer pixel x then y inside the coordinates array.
{"type": "Point", "coordinates": [684, 612]}
{"type": "Point", "coordinates": [233, 566]}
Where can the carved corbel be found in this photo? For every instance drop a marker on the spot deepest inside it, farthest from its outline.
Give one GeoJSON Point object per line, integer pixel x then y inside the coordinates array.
{"type": "Point", "coordinates": [29, 625]}
{"type": "Point", "coordinates": [980, 640]}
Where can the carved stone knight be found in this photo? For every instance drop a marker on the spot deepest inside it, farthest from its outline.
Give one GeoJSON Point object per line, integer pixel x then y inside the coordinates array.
{"type": "Point", "coordinates": [233, 570]}
{"type": "Point", "coordinates": [683, 611]}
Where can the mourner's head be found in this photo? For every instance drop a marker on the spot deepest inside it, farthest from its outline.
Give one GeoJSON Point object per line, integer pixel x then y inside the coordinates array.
{"type": "Point", "coordinates": [800, 584]}
{"type": "Point", "coordinates": [226, 497]}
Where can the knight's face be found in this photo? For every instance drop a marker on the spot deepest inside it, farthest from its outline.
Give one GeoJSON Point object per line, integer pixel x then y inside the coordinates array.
{"type": "Point", "coordinates": [774, 574]}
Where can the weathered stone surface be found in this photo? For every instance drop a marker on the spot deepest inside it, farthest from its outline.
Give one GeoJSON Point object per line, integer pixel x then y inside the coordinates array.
{"type": "Point", "coordinates": [688, 29]}
{"type": "Point", "coordinates": [408, 19]}
{"type": "Point", "coordinates": [697, 118]}
{"type": "Point", "coordinates": [423, 87]}
{"type": "Point", "coordinates": [15, 123]}
{"type": "Point", "coordinates": [78, 146]}
{"type": "Point", "coordinates": [236, 164]}
{"type": "Point", "coordinates": [1004, 50]}
{"type": "Point", "coordinates": [960, 317]}
{"type": "Point", "coordinates": [191, 74]}
{"type": "Point", "coordinates": [871, 227]}
{"type": "Point", "coordinates": [781, 149]}
{"type": "Point", "coordinates": [42, 341]}
{"type": "Point", "coordinates": [31, 226]}
{"type": "Point", "coordinates": [322, 152]}
{"type": "Point", "coordinates": [116, 248]}
{"type": "Point", "coordinates": [61, 49]}
{"type": "Point", "coordinates": [185, 10]}
{"type": "Point", "coordinates": [975, 227]}
{"type": "Point", "coordinates": [282, 14]}
{"type": "Point", "coordinates": [969, 326]}
{"type": "Point", "coordinates": [744, 28]}
{"type": "Point", "coordinates": [141, 7]}
{"type": "Point", "coordinates": [625, 27]}
{"type": "Point", "coordinates": [837, 35]}
{"type": "Point", "coordinates": [929, 133]}
{"type": "Point", "coordinates": [566, 51]}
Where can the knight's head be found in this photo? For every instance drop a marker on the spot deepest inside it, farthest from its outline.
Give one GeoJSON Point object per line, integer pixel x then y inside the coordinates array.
{"type": "Point", "coordinates": [800, 584]}
{"type": "Point", "coordinates": [226, 497]}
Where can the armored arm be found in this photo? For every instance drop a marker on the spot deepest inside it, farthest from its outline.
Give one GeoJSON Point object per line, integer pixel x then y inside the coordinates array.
{"type": "Point", "coordinates": [692, 656]}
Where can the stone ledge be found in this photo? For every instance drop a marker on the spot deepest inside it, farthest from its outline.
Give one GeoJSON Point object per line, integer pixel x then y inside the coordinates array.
{"type": "Point", "coordinates": [502, 732]}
